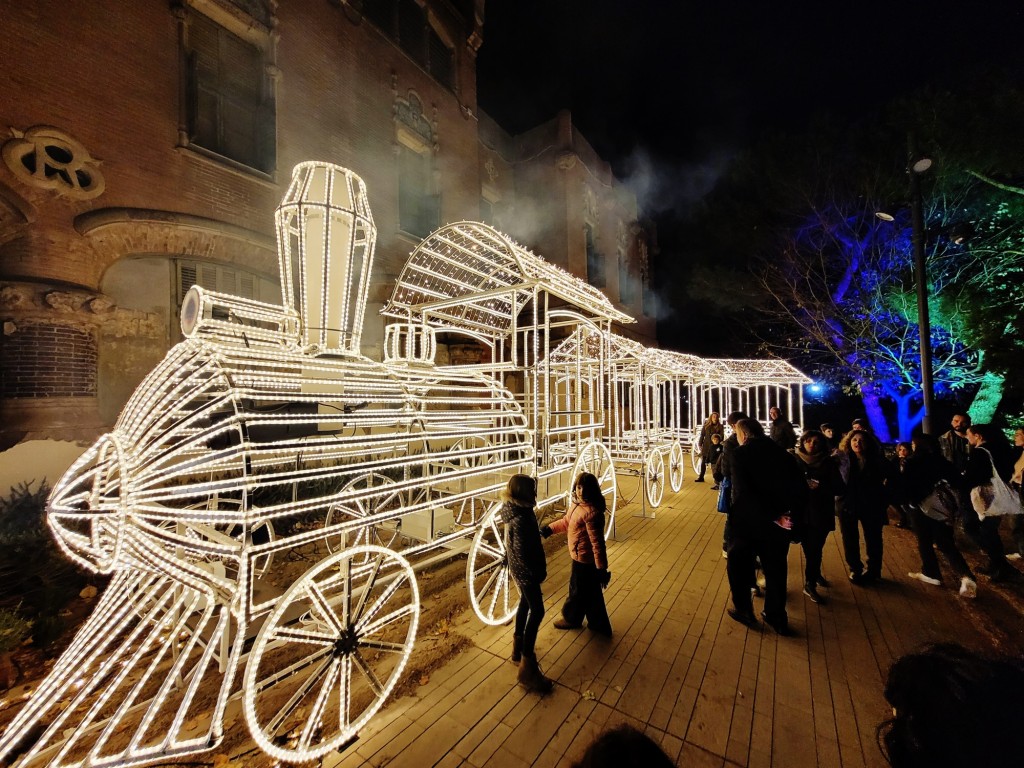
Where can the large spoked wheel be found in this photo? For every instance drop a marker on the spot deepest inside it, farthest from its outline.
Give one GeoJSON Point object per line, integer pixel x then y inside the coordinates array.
{"type": "Point", "coordinates": [383, 498]}
{"type": "Point", "coordinates": [676, 462]}
{"type": "Point", "coordinates": [330, 654]}
{"type": "Point", "coordinates": [492, 591]}
{"type": "Point", "coordinates": [596, 459]}
{"type": "Point", "coordinates": [654, 477]}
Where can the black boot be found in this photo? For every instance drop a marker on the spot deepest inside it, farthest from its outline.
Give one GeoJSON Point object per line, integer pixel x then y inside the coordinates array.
{"type": "Point", "coordinates": [517, 648]}
{"type": "Point", "coordinates": [530, 676]}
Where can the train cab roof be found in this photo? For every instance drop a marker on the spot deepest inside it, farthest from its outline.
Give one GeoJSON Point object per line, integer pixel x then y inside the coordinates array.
{"type": "Point", "coordinates": [470, 276]}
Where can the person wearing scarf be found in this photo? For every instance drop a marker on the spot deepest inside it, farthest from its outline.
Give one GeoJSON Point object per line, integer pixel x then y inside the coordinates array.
{"type": "Point", "coordinates": [817, 519]}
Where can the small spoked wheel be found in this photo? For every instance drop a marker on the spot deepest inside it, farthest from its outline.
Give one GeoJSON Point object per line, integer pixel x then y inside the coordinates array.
{"type": "Point", "coordinates": [676, 462]}
{"type": "Point", "coordinates": [492, 591]}
{"type": "Point", "coordinates": [469, 512]}
{"type": "Point", "coordinates": [596, 459]}
{"type": "Point", "coordinates": [377, 493]}
{"type": "Point", "coordinates": [695, 458]}
{"type": "Point", "coordinates": [654, 477]}
{"type": "Point", "coordinates": [219, 533]}
{"type": "Point", "coordinates": [472, 452]}
{"type": "Point", "coordinates": [331, 652]}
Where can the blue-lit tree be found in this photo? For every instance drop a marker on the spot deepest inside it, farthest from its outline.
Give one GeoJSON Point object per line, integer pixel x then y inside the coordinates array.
{"type": "Point", "coordinates": [834, 289]}
{"type": "Point", "coordinates": [841, 288]}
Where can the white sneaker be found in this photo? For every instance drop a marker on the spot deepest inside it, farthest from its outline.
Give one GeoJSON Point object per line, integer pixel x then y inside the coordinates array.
{"type": "Point", "coordinates": [925, 579]}
{"type": "Point", "coordinates": [968, 588]}
{"type": "Point", "coordinates": [1013, 556]}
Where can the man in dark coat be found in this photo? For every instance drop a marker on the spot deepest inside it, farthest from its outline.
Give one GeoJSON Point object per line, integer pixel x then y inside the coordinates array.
{"type": "Point", "coordinates": [722, 466]}
{"type": "Point", "coordinates": [782, 432]}
{"type": "Point", "coordinates": [767, 488]}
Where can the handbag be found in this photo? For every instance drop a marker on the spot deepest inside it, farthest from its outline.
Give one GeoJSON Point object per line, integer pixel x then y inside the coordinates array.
{"type": "Point", "coordinates": [941, 504]}
{"type": "Point", "coordinates": [994, 497]}
{"type": "Point", "coordinates": [724, 495]}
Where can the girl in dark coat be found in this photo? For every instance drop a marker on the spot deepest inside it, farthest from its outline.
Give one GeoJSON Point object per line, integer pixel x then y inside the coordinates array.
{"type": "Point", "coordinates": [864, 504]}
{"type": "Point", "coordinates": [898, 494]}
{"type": "Point", "coordinates": [528, 566]}
{"type": "Point", "coordinates": [824, 483]}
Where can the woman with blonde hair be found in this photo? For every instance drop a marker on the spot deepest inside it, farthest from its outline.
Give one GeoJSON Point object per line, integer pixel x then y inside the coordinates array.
{"type": "Point", "coordinates": [584, 524]}
{"type": "Point", "coordinates": [528, 566]}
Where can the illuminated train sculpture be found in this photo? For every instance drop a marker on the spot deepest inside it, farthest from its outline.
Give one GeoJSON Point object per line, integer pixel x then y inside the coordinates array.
{"type": "Point", "coordinates": [266, 442]}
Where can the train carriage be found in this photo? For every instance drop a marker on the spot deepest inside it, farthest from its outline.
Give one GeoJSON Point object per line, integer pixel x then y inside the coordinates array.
{"type": "Point", "coordinates": [751, 386]}
{"type": "Point", "coordinates": [640, 405]}
{"type": "Point", "coordinates": [473, 286]}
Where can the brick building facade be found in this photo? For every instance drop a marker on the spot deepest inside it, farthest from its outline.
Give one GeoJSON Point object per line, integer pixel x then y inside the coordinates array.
{"type": "Point", "coordinates": [146, 145]}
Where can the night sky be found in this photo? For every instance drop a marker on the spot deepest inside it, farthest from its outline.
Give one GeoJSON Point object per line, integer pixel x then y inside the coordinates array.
{"type": "Point", "coordinates": [678, 87]}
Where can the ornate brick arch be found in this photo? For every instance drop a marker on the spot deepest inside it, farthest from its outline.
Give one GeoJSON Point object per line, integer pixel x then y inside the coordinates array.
{"type": "Point", "coordinates": [123, 232]}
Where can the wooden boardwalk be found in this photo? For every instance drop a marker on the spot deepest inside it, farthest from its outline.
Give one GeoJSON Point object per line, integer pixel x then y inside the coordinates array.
{"type": "Point", "coordinates": [710, 691]}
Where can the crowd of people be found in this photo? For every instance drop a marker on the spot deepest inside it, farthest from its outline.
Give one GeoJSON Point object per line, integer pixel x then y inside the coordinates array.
{"type": "Point", "coordinates": [776, 489]}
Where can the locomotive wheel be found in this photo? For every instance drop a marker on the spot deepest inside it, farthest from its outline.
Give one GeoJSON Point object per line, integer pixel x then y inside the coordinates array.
{"type": "Point", "coordinates": [371, 534]}
{"type": "Point", "coordinates": [654, 477]}
{"type": "Point", "coordinates": [260, 534]}
{"type": "Point", "coordinates": [675, 466]}
{"type": "Point", "coordinates": [596, 459]}
{"type": "Point", "coordinates": [330, 653]}
{"type": "Point", "coordinates": [469, 512]}
{"type": "Point", "coordinates": [492, 591]}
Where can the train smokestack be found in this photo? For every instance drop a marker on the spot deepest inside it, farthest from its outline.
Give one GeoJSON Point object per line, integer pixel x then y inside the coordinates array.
{"type": "Point", "coordinates": [326, 238]}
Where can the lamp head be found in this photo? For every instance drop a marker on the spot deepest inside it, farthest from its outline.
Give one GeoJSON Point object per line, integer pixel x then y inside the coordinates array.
{"type": "Point", "coordinates": [921, 165]}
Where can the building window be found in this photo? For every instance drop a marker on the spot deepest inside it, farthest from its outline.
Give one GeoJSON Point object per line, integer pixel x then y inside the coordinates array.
{"type": "Point", "coordinates": [418, 208]}
{"type": "Point", "coordinates": [407, 23]}
{"type": "Point", "coordinates": [230, 109]}
{"type": "Point", "coordinates": [222, 279]}
{"type": "Point", "coordinates": [595, 266]}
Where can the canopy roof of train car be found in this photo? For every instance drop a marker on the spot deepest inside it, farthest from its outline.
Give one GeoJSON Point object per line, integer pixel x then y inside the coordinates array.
{"type": "Point", "coordinates": [755, 373]}
{"type": "Point", "coordinates": [470, 276]}
{"type": "Point", "coordinates": [622, 353]}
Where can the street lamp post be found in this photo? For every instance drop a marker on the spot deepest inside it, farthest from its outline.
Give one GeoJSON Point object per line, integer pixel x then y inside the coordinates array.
{"type": "Point", "coordinates": [921, 279]}
{"type": "Point", "coordinates": [924, 329]}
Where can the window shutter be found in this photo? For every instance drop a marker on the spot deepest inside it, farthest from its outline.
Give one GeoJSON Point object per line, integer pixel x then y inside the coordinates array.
{"type": "Point", "coordinates": [208, 277]}
{"type": "Point", "coordinates": [187, 278]}
{"type": "Point", "coordinates": [441, 58]}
